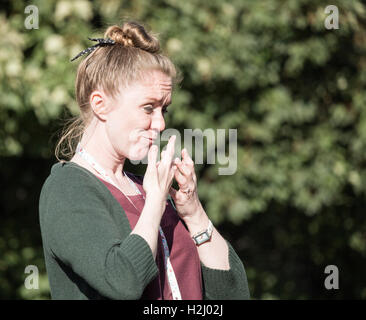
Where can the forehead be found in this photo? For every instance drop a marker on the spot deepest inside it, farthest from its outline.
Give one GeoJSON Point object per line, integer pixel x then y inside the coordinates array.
{"type": "Point", "coordinates": [155, 85]}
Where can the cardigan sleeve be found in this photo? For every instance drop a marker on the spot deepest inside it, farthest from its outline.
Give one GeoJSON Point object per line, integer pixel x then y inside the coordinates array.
{"type": "Point", "coordinates": [78, 230]}
{"type": "Point", "coordinates": [229, 284]}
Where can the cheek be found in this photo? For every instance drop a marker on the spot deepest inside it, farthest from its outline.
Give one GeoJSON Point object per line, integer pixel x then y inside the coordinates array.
{"type": "Point", "coordinates": [117, 132]}
{"type": "Point", "coordinates": [138, 151]}
{"type": "Point", "coordinates": [138, 145]}
{"type": "Point", "coordinates": [127, 138]}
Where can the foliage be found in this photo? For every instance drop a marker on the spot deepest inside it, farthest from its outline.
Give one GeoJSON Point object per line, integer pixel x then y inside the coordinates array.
{"type": "Point", "coordinates": [271, 70]}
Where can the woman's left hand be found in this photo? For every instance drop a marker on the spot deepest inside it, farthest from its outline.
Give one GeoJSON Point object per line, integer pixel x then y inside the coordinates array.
{"type": "Point", "coordinates": [186, 198]}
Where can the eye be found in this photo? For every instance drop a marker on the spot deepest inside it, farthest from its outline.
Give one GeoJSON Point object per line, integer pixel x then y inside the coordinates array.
{"type": "Point", "coordinates": [164, 110]}
{"type": "Point", "coordinates": [149, 109]}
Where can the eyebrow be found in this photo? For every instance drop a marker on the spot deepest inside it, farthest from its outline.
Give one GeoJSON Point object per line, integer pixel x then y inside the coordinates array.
{"type": "Point", "coordinates": [156, 100]}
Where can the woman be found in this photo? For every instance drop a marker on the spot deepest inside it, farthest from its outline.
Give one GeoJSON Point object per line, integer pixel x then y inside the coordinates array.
{"type": "Point", "coordinates": [107, 233]}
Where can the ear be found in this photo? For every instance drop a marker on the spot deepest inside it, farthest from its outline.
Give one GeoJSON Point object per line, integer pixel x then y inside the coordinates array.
{"type": "Point", "coordinates": [98, 102]}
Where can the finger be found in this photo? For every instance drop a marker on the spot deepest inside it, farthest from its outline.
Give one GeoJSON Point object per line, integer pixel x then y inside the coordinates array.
{"type": "Point", "coordinates": [186, 171]}
{"type": "Point", "coordinates": [162, 155]}
{"type": "Point", "coordinates": [169, 152]}
{"type": "Point", "coordinates": [181, 179]}
{"type": "Point", "coordinates": [152, 157]}
{"type": "Point", "coordinates": [172, 192]}
{"type": "Point", "coordinates": [186, 158]}
{"type": "Point", "coordinates": [172, 174]}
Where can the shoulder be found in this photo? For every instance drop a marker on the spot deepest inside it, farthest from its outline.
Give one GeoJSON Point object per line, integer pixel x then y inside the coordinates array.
{"type": "Point", "coordinates": [70, 182]}
{"type": "Point", "coordinates": [71, 192]}
{"type": "Point", "coordinates": [70, 172]}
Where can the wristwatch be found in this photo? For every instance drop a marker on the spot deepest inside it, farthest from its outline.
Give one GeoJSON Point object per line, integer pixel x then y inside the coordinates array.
{"type": "Point", "coordinates": [203, 236]}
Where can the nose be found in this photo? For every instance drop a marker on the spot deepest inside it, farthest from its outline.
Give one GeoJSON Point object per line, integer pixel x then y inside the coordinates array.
{"type": "Point", "coordinates": [158, 123]}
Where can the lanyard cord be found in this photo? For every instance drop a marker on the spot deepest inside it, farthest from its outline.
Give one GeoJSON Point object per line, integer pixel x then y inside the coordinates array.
{"type": "Point", "coordinates": [168, 266]}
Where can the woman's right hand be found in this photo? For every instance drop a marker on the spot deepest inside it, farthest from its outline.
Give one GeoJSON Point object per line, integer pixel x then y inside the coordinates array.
{"type": "Point", "coordinates": [158, 177]}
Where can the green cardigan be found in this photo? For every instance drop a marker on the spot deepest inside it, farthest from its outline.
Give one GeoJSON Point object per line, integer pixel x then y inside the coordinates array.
{"type": "Point", "coordinates": [90, 253]}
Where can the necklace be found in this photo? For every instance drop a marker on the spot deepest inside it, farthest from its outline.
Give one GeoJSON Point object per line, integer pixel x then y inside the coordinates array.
{"type": "Point", "coordinates": [168, 266]}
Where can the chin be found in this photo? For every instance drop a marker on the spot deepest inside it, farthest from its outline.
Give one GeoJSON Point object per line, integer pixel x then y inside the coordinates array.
{"type": "Point", "coordinates": [138, 153]}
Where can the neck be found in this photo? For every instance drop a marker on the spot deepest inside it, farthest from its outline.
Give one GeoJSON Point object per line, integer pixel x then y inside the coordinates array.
{"type": "Point", "coordinates": [96, 143]}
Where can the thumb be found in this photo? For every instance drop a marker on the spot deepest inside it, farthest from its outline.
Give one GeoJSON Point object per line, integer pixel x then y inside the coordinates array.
{"type": "Point", "coordinates": [172, 192]}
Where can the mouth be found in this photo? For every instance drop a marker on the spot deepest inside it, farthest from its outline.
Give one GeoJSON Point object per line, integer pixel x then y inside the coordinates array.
{"type": "Point", "coordinates": [151, 137]}
{"type": "Point", "coordinates": [151, 141]}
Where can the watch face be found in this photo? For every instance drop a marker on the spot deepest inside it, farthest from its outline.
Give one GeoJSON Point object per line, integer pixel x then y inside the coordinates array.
{"type": "Point", "coordinates": [203, 237]}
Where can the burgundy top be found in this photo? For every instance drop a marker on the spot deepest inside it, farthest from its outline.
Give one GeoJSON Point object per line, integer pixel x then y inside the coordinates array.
{"type": "Point", "coordinates": [183, 252]}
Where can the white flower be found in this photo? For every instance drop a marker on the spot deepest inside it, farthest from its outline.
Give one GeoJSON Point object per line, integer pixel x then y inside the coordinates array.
{"type": "Point", "coordinates": [13, 68]}
{"type": "Point", "coordinates": [204, 66]}
{"type": "Point", "coordinates": [54, 43]}
{"type": "Point", "coordinates": [83, 9]}
{"type": "Point", "coordinates": [59, 95]}
{"type": "Point", "coordinates": [174, 45]}
{"type": "Point", "coordinates": [63, 10]}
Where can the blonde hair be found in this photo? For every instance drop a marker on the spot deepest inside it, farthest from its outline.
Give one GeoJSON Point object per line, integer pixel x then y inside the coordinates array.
{"type": "Point", "coordinates": [111, 68]}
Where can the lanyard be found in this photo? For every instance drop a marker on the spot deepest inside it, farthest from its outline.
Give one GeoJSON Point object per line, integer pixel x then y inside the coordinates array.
{"type": "Point", "coordinates": [168, 266]}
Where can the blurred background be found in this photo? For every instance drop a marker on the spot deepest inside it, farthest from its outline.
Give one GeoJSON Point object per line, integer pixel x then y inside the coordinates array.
{"type": "Point", "coordinates": [294, 90]}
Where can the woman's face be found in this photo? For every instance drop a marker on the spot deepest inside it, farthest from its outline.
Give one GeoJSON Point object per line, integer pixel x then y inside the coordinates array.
{"type": "Point", "coordinates": [137, 115]}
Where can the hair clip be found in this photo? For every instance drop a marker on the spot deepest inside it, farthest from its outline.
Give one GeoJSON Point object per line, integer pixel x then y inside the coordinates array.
{"type": "Point", "coordinates": [101, 42]}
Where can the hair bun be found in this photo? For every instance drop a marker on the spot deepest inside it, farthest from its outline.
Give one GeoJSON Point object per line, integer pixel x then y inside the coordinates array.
{"type": "Point", "coordinates": [132, 34]}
